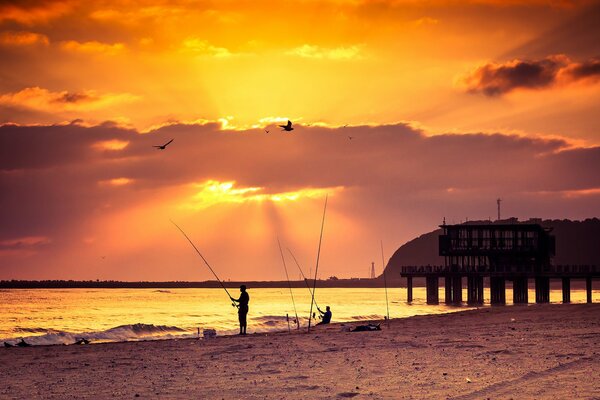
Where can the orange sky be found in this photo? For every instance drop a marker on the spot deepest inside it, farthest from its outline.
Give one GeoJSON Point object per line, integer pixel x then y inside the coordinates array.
{"type": "Point", "coordinates": [450, 105]}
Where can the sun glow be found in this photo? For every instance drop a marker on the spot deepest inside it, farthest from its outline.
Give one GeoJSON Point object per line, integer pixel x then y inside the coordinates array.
{"type": "Point", "coordinates": [113, 145]}
{"type": "Point", "coordinates": [213, 192]}
{"type": "Point", "coordinates": [117, 182]}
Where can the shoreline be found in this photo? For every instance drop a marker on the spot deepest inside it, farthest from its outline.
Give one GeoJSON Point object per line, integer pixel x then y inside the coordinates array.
{"type": "Point", "coordinates": [541, 351]}
{"type": "Point", "coordinates": [355, 283]}
{"type": "Point", "coordinates": [194, 335]}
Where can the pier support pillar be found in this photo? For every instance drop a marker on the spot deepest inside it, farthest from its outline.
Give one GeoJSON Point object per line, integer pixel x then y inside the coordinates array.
{"type": "Point", "coordinates": [520, 291]}
{"type": "Point", "coordinates": [475, 290]}
{"type": "Point", "coordinates": [409, 289]}
{"type": "Point", "coordinates": [432, 285]}
{"type": "Point", "coordinates": [588, 288]}
{"type": "Point", "coordinates": [497, 290]}
{"type": "Point", "coordinates": [457, 289]}
{"type": "Point", "coordinates": [448, 290]}
{"type": "Point", "coordinates": [566, 290]}
{"type": "Point", "coordinates": [542, 289]}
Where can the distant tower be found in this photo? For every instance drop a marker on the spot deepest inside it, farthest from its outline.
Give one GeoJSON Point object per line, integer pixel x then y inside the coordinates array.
{"type": "Point", "coordinates": [372, 270]}
{"type": "Point", "coordinates": [498, 202]}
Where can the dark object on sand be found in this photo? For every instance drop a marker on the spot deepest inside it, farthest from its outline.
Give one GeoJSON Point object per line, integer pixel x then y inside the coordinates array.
{"type": "Point", "coordinates": [8, 345]}
{"type": "Point", "coordinates": [366, 328]}
{"type": "Point", "coordinates": [23, 343]}
{"type": "Point", "coordinates": [82, 341]}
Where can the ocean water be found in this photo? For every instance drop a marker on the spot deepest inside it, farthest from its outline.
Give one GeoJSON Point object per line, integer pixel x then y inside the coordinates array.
{"type": "Point", "coordinates": [61, 316]}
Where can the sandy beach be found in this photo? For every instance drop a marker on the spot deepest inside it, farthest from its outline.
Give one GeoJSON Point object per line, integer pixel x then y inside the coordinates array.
{"type": "Point", "coordinates": [536, 351]}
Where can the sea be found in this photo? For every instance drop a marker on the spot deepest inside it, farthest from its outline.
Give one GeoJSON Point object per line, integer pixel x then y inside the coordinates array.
{"type": "Point", "coordinates": [62, 316]}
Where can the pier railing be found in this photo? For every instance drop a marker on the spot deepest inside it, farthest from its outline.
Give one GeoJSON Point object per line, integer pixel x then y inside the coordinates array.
{"type": "Point", "coordinates": [549, 270]}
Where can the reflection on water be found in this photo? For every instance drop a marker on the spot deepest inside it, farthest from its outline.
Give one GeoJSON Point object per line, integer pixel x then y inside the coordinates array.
{"type": "Point", "coordinates": [48, 316]}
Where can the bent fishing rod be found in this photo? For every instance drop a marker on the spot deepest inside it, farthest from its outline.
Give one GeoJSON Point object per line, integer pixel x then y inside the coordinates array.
{"type": "Point", "coordinates": [317, 264]}
{"type": "Point", "coordinates": [289, 284]}
{"type": "Point", "coordinates": [304, 277]}
{"type": "Point", "coordinates": [205, 262]}
{"type": "Point", "coordinates": [387, 305]}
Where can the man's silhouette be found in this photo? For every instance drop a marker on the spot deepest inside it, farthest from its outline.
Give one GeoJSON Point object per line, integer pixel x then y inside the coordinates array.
{"type": "Point", "coordinates": [326, 316]}
{"type": "Point", "coordinates": [242, 308]}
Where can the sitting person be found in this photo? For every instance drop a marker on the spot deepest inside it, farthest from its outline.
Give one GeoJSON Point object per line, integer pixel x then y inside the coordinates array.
{"type": "Point", "coordinates": [325, 315]}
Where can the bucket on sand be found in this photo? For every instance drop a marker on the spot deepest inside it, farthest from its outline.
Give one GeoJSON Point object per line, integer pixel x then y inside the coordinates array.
{"type": "Point", "coordinates": [209, 333]}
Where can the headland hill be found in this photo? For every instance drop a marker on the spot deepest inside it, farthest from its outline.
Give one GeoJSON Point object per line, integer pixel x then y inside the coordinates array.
{"type": "Point", "coordinates": [576, 244]}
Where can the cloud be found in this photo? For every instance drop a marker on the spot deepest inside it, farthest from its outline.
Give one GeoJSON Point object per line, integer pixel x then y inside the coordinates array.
{"type": "Point", "coordinates": [23, 246]}
{"type": "Point", "coordinates": [424, 21]}
{"type": "Point", "coordinates": [496, 79]}
{"type": "Point", "coordinates": [41, 99]}
{"type": "Point", "coordinates": [111, 145]}
{"type": "Point", "coordinates": [117, 182]}
{"type": "Point", "coordinates": [31, 12]}
{"type": "Point", "coordinates": [22, 38]}
{"type": "Point", "coordinates": [586, 70]}
{"type": "Point", "coordinates": [24, 242]}
{"type": "Point", "coordinates": [203, 47]}
{"type": "Point", "coordinates": [336, 53]}
{"type": "Point", "coordinates": [69, 182]}
{"type": "Point", "coordinates": [93, 47]}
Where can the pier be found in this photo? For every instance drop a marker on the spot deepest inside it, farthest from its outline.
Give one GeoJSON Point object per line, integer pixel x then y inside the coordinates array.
{"type": "Point", "coordinates": [517, 253]}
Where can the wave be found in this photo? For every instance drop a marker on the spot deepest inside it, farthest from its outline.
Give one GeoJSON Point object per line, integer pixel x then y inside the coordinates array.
{"type": "Point", "coordinates": [139, 331]}
{"type": "Point", "coordinates": [367, 317]}
{"type": "Point", "coordinates": [34, 330]}
{"type": "Point", "coordinates": [121, 333]}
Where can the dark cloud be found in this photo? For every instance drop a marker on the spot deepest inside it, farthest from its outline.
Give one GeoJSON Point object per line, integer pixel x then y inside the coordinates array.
{"type": "Point", "coordinates": [497, 79]}
{"type": "Point", "coordinates": [54, 180]}
{"type": "Point", "coordinates": [70, 97]}
{"type": "Point", "coordinates": [30, 147]}
{"type": "Point", "coordinates": [588, 69]}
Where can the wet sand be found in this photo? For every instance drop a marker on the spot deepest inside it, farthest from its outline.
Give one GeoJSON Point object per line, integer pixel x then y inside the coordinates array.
{"type": "Point", "coordinates": [536, 351]}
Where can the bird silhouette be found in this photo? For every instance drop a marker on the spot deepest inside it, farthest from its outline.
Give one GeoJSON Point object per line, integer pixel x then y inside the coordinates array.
{"type": "Point", "coordinates": [266, 131]}
{"type": "Point", "coordinates": [350, 137]}
{"type": "Point", "coordinates": [288, 127]}
{"type": "Point", "coordinates": [164, 146]}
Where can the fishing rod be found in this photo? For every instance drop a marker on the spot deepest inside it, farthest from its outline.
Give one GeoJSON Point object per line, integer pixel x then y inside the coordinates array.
{"type": "Point", "coordinates": [317, 266]}
{"type": "Point", "coordinates": [205, 262]}
{"type": "Point", "coordinates": [303, 276]}
{"type": "Point", "coordinates": [289, 284]}
{"type": "Point", "coordinates": [385, 285]}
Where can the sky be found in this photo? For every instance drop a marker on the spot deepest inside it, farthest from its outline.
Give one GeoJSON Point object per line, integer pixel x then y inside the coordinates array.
{"type": "Point", "coordinates": [405, 113]}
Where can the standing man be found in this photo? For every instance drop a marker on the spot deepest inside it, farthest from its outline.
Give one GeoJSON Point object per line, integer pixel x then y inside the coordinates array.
{"type": "Point", "coordinates": [242, 308]}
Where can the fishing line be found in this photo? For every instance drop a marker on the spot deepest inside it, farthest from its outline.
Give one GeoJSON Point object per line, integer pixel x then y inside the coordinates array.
{"type": "Point", "coordinates": [317, 266]}
{"type": "Point", "coordinates": [385, 285]}
{"type": "Point", "coordinates": [303, 276]}
{"type": "Point", "coordinates": [289, 284]}
{"type": "Point", "coordinates": [204, 259]}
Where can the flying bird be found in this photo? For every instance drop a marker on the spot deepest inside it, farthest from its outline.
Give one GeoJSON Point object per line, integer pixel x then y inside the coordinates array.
{"type": "Point", "coordinates": [164, 146]}
{"type": "Point", "coordinates": [350, 137]}
{"type": "Point", "coordinates": [287, 127]}
{"type": "Point", "coordinates": [266, 131]}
